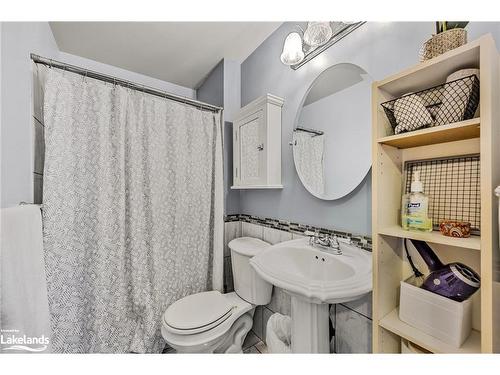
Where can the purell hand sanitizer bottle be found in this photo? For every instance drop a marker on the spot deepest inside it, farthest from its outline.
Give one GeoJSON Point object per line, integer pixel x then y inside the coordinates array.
{"type": "Point", "coordinates": [415, 207]}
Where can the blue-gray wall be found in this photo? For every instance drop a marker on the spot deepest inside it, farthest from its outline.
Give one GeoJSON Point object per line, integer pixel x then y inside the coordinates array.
{"type": "Point", "coordinates": [232, 104]}
{"type": "Point", "coordinates": [381, 49]}
{"type": "Point", "coordinates": [212, 89]}
{"type": "Point", "coordinates": [19, 39]}
{"type": "Point", "coordinates": [222, 87]}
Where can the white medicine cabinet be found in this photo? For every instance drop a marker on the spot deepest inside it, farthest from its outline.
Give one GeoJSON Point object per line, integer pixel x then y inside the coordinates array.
{"type": "Point", "coordinates": [257, 144]}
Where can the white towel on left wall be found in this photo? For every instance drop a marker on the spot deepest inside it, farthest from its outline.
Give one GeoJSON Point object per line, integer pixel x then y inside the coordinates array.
{"type": "Point", "coordinates": [25, 321]}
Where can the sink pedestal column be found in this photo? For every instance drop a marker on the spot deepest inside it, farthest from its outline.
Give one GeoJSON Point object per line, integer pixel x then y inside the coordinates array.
{"type": "Point", "coordinates": [310, 327]}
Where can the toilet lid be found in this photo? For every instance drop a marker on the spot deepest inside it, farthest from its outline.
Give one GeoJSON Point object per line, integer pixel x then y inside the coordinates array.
{"type": "Point", "coordinates": [248, 246]}
{"type": "Point", "coordinates": [198, 312]}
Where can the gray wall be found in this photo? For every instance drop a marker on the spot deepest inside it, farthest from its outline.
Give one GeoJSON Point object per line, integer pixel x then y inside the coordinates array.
{"type": "Point", "coordinates": [232, 89]}
{"type": "Point", "coordinates": [222, 87]}
{"type": "Point", "coordinates": [18, 40]}
{"type": "Point", "coordinates": [381, 49]}
{"type": "Point", "coordinates": [212, 89]}
{"type": "Point", "coordinates": [127, 75]}
{"type": "Point", "coordinates": [232, 103]}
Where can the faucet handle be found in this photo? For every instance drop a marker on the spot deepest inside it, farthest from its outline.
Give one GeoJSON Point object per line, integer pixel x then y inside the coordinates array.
{"type": "Point", "coordinates": [346, 240]}
{"type": "Point", "coordinates": [334, 242]}
{"type": "Point", "coordinates": [311, 236]}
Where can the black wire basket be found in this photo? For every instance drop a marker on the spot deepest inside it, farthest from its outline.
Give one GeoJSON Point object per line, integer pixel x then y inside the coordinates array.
{"type": "Point", "coordinates": [453, 185]}
{"type": "Point", "coordinates": [448, 103]}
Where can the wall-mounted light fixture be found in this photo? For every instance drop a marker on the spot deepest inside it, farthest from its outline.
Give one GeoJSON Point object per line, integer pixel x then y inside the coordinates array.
{"type": "Point", "coordinates": [318, 36]}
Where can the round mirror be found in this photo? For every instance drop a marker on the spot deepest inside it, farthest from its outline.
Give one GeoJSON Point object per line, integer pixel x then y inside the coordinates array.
{"type": "Point", "coordinates": [332, 136]}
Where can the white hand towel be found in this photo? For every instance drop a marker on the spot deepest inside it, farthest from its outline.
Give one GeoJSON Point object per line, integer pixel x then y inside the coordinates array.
{"type": "Point", "coordinates": [23, 304]}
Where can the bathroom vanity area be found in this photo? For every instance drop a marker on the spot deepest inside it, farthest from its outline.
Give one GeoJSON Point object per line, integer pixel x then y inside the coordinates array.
{"type": "Point", "coordinates": [477, 136]}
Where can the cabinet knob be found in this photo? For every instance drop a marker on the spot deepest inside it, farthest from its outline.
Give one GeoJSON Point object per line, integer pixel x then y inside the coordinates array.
{"type": "Point", "coordinates": [260, 147]}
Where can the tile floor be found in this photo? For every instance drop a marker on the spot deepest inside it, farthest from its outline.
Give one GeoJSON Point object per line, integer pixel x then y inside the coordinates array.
{"type": "Point", "coordinates": [254, 345]}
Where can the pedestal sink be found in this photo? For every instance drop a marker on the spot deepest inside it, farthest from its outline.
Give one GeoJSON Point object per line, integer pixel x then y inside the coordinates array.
{"type": "Point", "coordinates": [314, 279]}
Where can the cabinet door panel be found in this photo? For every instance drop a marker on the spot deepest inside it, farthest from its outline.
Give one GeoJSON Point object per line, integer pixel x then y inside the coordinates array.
{"type": "Point", "coordinates": [251, 145]}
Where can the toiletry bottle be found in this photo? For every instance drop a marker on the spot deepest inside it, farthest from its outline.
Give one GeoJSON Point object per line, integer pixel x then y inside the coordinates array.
{"type": "Point", "coordinates": [415, 208]}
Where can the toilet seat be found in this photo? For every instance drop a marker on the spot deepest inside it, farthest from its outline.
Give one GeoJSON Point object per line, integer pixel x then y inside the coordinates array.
{"type": "Point", "coordinates": [197, 313]}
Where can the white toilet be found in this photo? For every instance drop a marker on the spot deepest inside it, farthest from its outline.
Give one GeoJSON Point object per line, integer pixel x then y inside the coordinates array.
{"type": "Point", "coordinates": [211, 322]}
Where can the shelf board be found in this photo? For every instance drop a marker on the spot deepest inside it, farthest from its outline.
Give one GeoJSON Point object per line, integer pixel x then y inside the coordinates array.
{"type": "Point", "coordinates": [457, 131]}
{"type": "Point", "coordinates": [239, 187]}
{"type": "Point", "coordinates": [434, 71]}
{"type": "Point", "coordinates": [473, 242]}
{"type": "Point", "coordinates": [392, 323]}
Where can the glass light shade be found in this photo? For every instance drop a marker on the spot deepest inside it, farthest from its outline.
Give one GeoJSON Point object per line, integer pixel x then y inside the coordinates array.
{"type": "Point", "coordinates": [317, 33]}
{"type": "Point", "coordinates": [292, 50]}
{"type": "Point", "coordinates": [338, 26]}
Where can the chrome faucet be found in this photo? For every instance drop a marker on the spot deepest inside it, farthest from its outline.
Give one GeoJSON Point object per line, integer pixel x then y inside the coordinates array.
{"type": "Point", "coordinates": [324, 242]}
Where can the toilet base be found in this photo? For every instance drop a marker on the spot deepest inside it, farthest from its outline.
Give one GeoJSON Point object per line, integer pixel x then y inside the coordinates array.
{"type": "Point", "coordinates": [230, 342]}
{"type": "Point", "coordinates": [233, 342]}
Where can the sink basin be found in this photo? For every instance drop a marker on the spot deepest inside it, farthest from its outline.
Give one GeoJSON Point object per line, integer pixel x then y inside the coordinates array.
{"type": "Point", "coordinates": [314, 279]}
{"type": "Point", "coordinates": [316, 275]}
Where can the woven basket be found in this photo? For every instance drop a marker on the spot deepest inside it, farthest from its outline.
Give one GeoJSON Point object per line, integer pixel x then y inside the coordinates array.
{"type": "Point", "coordinates": [443, 42]}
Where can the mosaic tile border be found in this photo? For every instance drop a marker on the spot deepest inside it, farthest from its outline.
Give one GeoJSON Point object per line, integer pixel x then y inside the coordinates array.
{"type": "Point", "coordinates": [364, 242]}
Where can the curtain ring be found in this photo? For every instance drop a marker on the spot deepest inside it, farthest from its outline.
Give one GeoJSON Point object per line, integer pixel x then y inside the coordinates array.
{"type": "Point", "coordinates": [50, 64]}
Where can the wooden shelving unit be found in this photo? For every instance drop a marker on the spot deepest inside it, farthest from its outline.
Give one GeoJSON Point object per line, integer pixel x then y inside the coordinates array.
{"type": "Point", "coordinates": [475, 136]}
{"type": "Point", "coordinates": [467, 129]}
{"type": "Point", "coordinates": [392, 323]}
{"type": "Point", "coordinates": [473, 242]}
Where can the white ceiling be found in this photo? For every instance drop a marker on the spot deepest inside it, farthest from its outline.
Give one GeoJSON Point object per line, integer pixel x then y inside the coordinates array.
{"type": "Point", "coordinates": [179, 52]}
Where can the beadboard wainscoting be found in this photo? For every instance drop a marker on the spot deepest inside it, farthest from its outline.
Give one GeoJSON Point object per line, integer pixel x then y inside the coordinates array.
{"type": "Point", "coordinates": [351, 323]}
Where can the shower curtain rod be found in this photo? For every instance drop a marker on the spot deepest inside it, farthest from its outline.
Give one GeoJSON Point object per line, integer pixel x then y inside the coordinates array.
{"type": "Point", "coordinates": [118, 81]}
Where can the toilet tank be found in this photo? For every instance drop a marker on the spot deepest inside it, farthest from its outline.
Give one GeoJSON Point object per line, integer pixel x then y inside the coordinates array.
{"type": "Point", "coordinates": [247, 283]}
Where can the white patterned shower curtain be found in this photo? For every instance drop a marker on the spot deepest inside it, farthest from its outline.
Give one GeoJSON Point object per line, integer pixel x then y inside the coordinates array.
{"type": "Point", "coordinates": [309, 158]}
{"type": "Point", "coordinates": [132, 211]}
